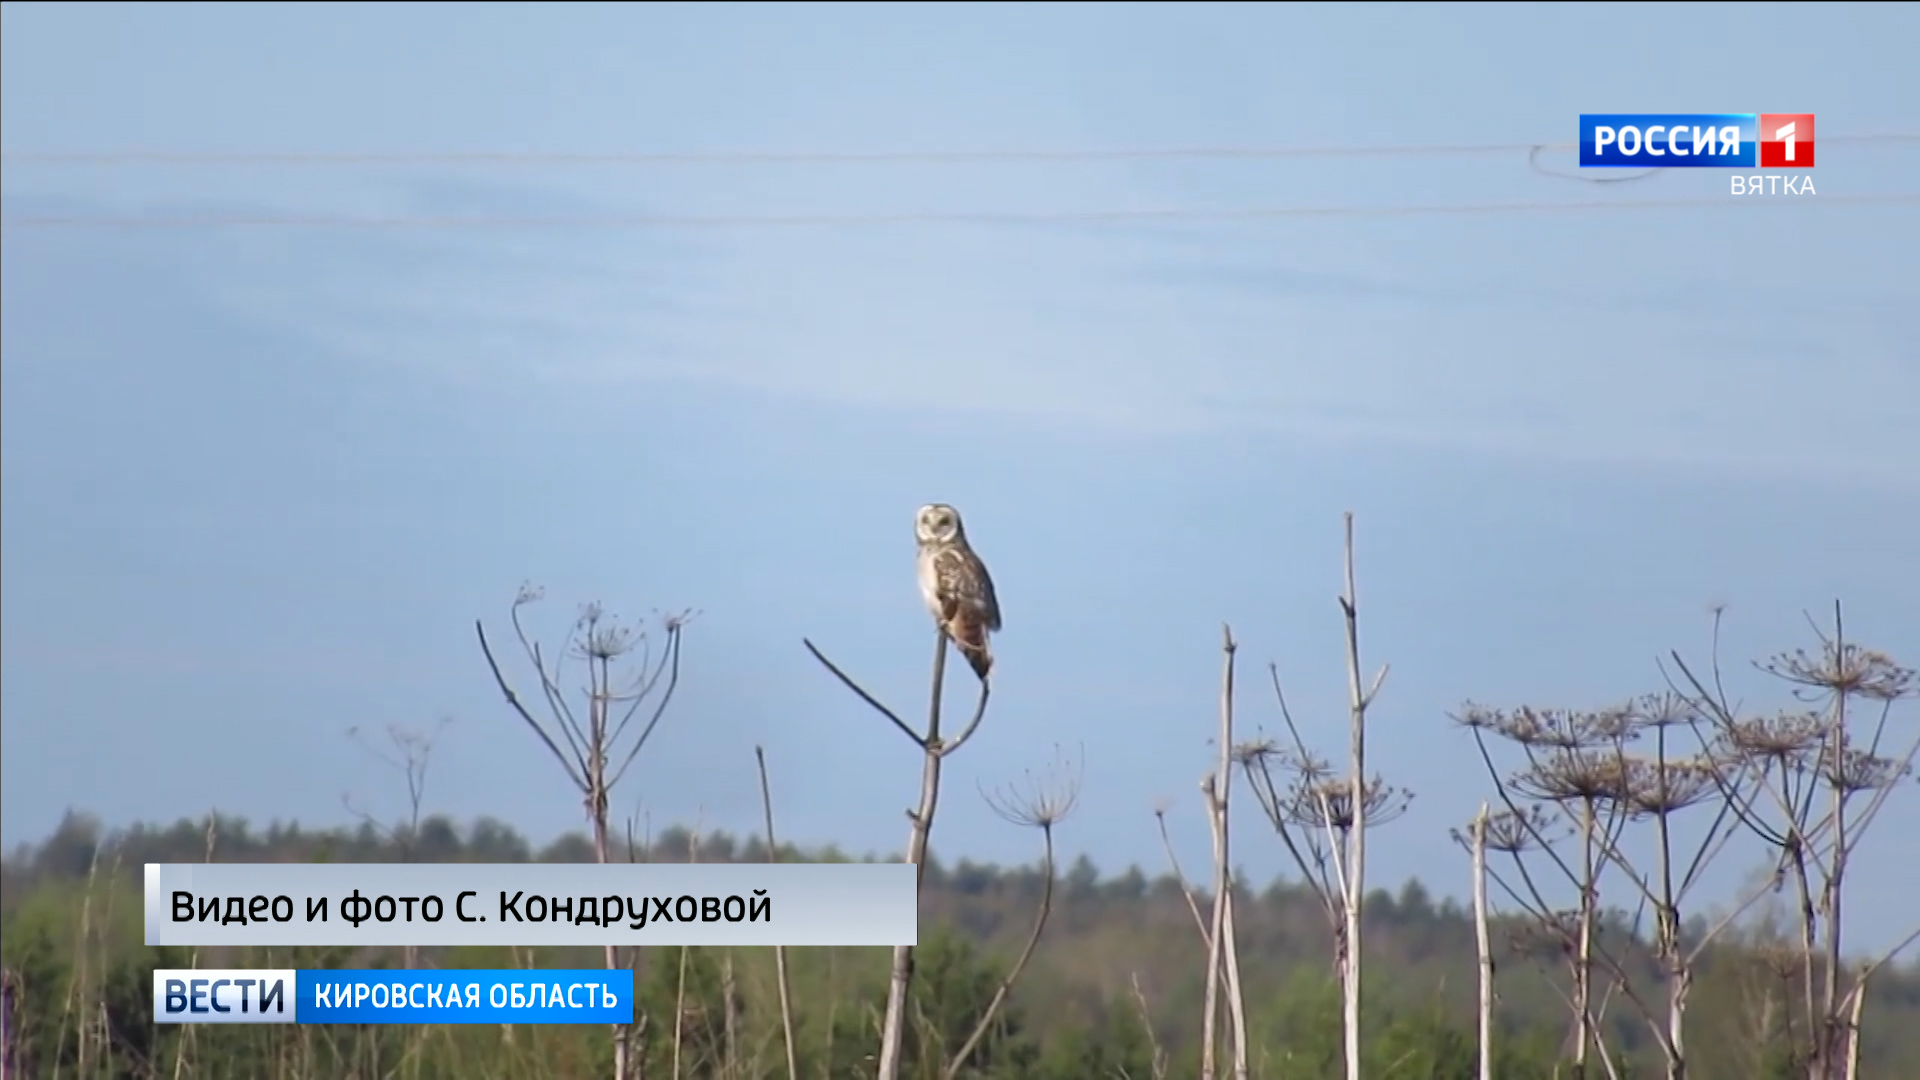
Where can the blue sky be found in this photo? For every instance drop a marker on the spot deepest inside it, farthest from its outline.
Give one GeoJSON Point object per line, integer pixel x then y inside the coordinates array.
{"type": "Point", "coordinates": [258, 482]}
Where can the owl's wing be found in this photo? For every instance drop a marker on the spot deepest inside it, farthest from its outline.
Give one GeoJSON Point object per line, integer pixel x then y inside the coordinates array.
{"type": "Point", "coordinates": [964, 582]}
{"type": "Point", "coordinates": [989, 603]}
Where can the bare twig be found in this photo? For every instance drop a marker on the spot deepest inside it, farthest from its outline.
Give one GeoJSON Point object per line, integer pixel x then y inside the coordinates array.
{"type": "Point", "coordinates": [1180, 877]}
{"type": "Point", "coordinates": [861, 692]}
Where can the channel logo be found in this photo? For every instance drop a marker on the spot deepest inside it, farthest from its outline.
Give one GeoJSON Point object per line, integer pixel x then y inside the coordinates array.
{"type": "Point", "coordinates": [366, 996]}
{"type": "Point", "coordinates": [223, 996]}
{"type": "Point", "coordinates": [1696, 140]}
{"type": "Point", "coordinates": [1786, 140]}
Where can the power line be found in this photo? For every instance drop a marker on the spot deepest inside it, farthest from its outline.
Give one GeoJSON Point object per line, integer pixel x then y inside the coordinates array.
{"type": "Point", "coordinates": [653, 221]}
{"type": "Point", "coordinates": [109, 158]}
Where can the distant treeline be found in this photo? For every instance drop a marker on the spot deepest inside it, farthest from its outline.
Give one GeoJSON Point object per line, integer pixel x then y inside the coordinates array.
{"type": "Point", "coordinates": [1114, 990]}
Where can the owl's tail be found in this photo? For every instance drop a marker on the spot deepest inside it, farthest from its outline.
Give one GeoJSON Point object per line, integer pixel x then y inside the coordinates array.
{"type": "Point", "coordinates": [970, 637]}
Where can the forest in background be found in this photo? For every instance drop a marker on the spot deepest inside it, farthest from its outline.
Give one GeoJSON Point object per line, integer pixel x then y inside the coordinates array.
{"type": "Point", "coordinates": [1586, 952]}
{"type": "Point", "coordinates": [1114, 989]}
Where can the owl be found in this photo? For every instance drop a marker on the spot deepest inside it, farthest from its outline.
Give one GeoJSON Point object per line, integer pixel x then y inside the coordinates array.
{"type": "Point", "coordinates": [955, 585]}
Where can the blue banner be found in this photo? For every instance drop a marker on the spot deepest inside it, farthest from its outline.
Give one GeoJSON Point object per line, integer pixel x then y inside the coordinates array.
{"type": "Point", "coordinates": [500, 996]}
{"type": "Point", "coordinates": [1668, 140]}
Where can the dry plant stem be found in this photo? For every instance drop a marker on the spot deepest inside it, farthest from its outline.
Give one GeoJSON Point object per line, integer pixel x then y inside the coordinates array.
{"type": "Point", "coordinates": [1210, 1005]}
{"type": "Point", "coordinates": [1868, 970]}
{"type": "Point", "coordinates": [1817, 847]}
{"type": "Point", "coordinates": [1533, 901]}
{"type": "Point", "coordinates": [193, 961]}
{"type": "Point", "coordinates": [1676, 954]}
{"type": "Point", "coordinates": [779, 951]}
{"type": "Point", "coordinates": [77, 988]}
{"type": "Point", "coordinates": [1236, 1000]}
{"type": "Point", "coordinates": [1186, 890]}
{"type": "Point", "coordinates": [680, 988]}
{"type": "Point", "coordinates": [413, 752]}
{"type": "Point", "coordinates": [1224, 964]}
{"type": "Point", "coordinates": [1356, 861]}
{"type": "Point", "coordinates": [1224, 951]}
{"type": "Point", "coordinates": [1583, 958]}
{"type": "Point", "coordinates": [679, 1010]}
{"type": "Point", "coordinates": [1483, 941]}
{"type": "Point", "coordinates": [900, 977]}
{"type": "Point", "coordinates": [1318, 858]}
{"type": "Point", "coordinates": [934, 750]}
{"type": "Point", "coordinates": [1794, 837]}
{"type": "Point", "coordinates": [1594, 836]}
{"type": "Point", "coordinates": [999, 999]}
{"type": "Point", "coordinates": [1667, 940]}
{"type": "Point", "coordinates": [729, 996]}
{"type": "Point", "coordinates": [1853, 1026]}
{"type": "Point", "coordinates": [1146, 1025]}
{"type": "Point", "coordinates": [1330, 851]}
{"type": "Point", "coordinates": [1833, 1035]}
{"type": "Point", "coordinates": [595, 759]}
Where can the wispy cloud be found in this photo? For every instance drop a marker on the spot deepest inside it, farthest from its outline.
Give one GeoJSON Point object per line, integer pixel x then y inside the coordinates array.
{"type": "Point", "coordinates": [1342, 333]}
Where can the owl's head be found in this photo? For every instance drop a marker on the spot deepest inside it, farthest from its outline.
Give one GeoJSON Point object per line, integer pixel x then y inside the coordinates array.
{"type": "Point", "coordinates": [937, 523]}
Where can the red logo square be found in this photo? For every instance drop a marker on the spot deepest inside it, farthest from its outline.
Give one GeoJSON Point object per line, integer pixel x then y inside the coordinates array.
{"type": "Point", "coordinates": [1786, 140]}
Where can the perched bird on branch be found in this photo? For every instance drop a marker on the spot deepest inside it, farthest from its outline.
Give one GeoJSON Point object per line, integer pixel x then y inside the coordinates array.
{"type": "Point", "coordinates": [956, 585]}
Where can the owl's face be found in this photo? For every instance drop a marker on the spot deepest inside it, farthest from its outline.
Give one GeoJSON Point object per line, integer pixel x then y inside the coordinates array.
{"type": "Point", "coordinates": [937, 523]}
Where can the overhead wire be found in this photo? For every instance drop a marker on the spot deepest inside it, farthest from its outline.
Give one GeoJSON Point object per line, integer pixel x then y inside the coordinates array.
{"type": "Point", "coordinates": [1533, 151]}
{"type": "Point", "coordinates": [111, 158]}
{"type": "Point", "coordinates": [1044, 217]}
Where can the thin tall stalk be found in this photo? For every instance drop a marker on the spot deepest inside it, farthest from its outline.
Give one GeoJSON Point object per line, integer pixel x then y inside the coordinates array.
{"type": "Point", "coordinates": [1822, 778]}
{"type": "Point", "coordinates": [730, 1016]}
{"type": "Point", "coordinates": [1483, 942]}
{"type": "Point", "coordinates": [1853, 1028]}
{"type": "Point", "coordinates": [934, 751]}
{"type": "Point", "coordinates": [1159, 1056]}
{"type": "Point", "coordinates": [1223, 951]}
{"type": "Point", "coordinates": [1356, 868]}
{"type": "Point", "coordinates": [680, 985]}
{"type": "Point", "coordinates": [1040, 803]}
{"type": "Point", "coordinates": [1573, 765]}
{"type": "Point", "coordinates": [1318, 817]}
{"type": "Point", "coordinates": [679, 1011]}
{"type": "Point", "coordinates": [779, 951]}
{"type": "Point", "coordinates": [598, 750]}
{"type": "Point", "coordinates": [185, 1048]}
{"type": "Point", "coordinates": [412, 753]}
